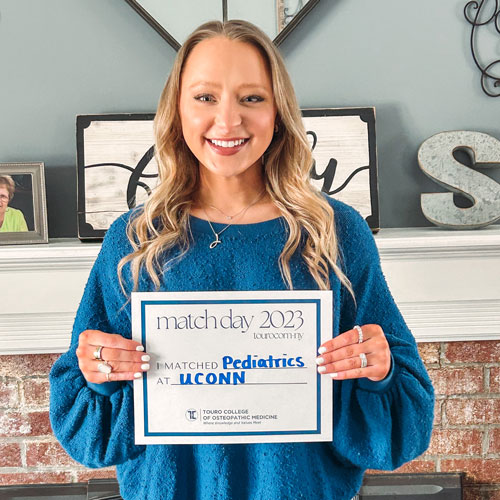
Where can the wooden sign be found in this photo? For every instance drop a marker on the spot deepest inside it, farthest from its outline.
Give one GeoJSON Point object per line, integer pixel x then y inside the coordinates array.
{"type": "Point", "coordinates": [343, 143]}
{"type": "Point", "coordinates": [117, 169]}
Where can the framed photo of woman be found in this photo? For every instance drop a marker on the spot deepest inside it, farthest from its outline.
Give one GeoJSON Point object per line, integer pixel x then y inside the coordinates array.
{"type": "Point", "coordinates": [23, 208]}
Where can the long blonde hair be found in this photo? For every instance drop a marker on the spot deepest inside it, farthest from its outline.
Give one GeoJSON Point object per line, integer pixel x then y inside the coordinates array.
{"type": "Point", "coordinates": [164, 221]}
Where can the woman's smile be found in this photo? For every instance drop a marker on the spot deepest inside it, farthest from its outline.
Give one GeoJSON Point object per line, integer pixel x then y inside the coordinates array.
{"type": "Point", "coordinates": [227, 147]}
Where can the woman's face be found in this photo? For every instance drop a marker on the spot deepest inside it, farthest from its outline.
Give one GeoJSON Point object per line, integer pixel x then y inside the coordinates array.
{"type": "Point", "coordinates": [226, 106]}
{"type": "Point", "coordinates": [4, 199]}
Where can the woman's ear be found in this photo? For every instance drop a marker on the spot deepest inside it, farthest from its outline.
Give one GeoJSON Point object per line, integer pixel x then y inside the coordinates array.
{"type": "Point", "coordinates": [277, 123]}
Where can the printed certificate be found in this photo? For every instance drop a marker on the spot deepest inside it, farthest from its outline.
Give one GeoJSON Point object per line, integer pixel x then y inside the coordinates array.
{"type": "Point", "coordinates": [232, 367]}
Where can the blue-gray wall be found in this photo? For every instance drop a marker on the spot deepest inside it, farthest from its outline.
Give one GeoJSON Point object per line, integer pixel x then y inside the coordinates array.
{"type": "Point", "coordinates": [409, 59]}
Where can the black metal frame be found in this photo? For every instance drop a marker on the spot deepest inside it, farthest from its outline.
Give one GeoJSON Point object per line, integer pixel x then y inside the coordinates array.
{"type": "Point", "coordinates": [176, 45]}
{"type": "Point", "coordinates": [486, 75]}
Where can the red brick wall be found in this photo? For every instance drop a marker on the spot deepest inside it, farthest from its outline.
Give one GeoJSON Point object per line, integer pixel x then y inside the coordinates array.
{"type": "Point", "coordinates": [466, 437]}
{"type": "Point", "coordinates": [29, 452]}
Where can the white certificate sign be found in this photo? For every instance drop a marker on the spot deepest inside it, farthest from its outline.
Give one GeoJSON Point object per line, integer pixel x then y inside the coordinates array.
{"type": "Point", "coordinates": [232, 367]}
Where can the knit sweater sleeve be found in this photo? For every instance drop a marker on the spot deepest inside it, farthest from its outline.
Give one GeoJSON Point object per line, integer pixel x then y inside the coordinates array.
{"type": "Point", "coordinates": [378, 425]}
{"type": "Point", "coordinates": [94, 422]}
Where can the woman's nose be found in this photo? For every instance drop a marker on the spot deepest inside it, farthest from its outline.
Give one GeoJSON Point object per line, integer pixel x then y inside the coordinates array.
{"type": "Point", "coordinates": [228, 115]}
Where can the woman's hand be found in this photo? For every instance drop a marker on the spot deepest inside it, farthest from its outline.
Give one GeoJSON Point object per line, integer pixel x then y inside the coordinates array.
{"type": "Point", "coordinates": [340, 357]}
{"type": "Point", "coordinates": [120, 358]}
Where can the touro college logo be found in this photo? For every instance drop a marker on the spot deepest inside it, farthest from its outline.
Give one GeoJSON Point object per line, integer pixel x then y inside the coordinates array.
{"type": "Point", "coordinates": [191, 414]}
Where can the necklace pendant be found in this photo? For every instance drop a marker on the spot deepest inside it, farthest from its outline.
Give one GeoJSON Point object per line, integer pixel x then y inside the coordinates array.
{"type": "Point", "coordinates": [215, 242]}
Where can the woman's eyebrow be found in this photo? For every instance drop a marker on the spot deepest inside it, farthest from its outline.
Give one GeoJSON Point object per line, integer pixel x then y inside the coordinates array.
{"type": "Point", "coordinates": [204, 83]}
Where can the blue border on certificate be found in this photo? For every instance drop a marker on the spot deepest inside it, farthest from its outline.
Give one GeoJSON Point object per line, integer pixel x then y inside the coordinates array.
{"type": "Point", "coordinates": [145, 303]}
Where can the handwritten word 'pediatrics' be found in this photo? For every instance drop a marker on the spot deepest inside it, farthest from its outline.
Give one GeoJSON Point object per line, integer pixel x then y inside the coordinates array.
{"type": "Point", "coordinates": [231, 321]}
{"type": "Point", "coordinates": [235, 369]}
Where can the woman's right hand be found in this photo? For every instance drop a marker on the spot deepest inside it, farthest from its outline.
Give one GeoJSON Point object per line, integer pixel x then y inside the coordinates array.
{"type": "Point", "coordinates": [125, 357]}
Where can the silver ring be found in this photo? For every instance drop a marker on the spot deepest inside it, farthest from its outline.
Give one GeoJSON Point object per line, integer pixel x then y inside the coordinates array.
{"type": "Point", "coordinates": [97, 353]}
{"type": "Point", "coordinates": [105, 367]}
{"type": "Point", "coordinates": [360, 333]}
{"type": "Point", "coordinates": [364, 361]}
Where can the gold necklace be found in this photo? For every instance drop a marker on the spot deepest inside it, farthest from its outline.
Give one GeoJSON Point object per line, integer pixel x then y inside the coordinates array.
{"type": "Point", "coordinates": [228, 217]}
{"type": "Point", "coordinates": [241, 212]}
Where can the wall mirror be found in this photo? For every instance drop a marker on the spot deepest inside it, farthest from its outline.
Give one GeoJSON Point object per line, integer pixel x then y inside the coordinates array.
{"type": "Point", "coordinates": [175, 20]}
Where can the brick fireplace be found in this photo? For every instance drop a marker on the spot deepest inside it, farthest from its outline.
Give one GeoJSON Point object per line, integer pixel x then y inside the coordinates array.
{"type": "Point", "coordinates": [446, 285]}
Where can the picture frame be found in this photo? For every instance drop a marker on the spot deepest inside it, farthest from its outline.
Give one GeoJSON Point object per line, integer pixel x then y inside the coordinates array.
{"type": "Point", "coordinates": [24, 213]}
{"type": "Point", "coordinates": [116, 167]}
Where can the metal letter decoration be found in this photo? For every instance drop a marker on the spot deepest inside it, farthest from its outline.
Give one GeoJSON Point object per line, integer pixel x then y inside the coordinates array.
{"type": "Point", "coordinates": [435, 158]}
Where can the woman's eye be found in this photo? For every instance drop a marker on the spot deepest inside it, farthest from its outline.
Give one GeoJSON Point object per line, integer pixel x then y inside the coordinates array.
{"type": "Point", "coordinates": [254, 98]}
{"type": "Point", "coordinates": [204, 98]}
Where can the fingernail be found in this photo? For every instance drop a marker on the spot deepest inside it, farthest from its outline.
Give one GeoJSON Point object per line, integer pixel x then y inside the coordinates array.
{"type": "Point", "coordinates": [139, 348]}
{"type": "Point", "coordinates": [145, 366]}
{"type": "Point", "coordinates": [319, 361]}
{"type": "Point", "coordinates": [146, 357]}
{"type": "Point", "coordinates": [321, 350]}
{"type": "Point", "coordinates": [334, 375]}
{"type": "Point", "coordinates": [321, 369]}
{"type": "Point", "coordinates": [137, 375]}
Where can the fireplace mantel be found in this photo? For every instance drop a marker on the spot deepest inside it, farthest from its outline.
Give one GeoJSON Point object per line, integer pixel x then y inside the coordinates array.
{"type": "Point", "coordinates": [446, 283]}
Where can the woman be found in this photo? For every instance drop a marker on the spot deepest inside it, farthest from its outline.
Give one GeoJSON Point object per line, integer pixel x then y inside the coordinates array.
{"type": "Point", "coordinates": [234, 210]}
{"type": "Point", "coordinates": [11, 219]}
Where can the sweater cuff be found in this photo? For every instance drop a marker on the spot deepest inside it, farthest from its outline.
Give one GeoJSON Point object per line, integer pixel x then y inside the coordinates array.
{"type": "Point", "coordinates": [106, 388]}
{"type": "Point", "coordinates": [379, 386]}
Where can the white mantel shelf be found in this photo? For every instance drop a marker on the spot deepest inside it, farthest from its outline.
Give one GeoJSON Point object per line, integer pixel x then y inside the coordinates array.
{"type": "Point", "coordinates": [446, 283]}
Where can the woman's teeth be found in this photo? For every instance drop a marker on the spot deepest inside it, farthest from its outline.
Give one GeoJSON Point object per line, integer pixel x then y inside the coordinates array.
{"type": "Point", "coordinates": [227, 144]}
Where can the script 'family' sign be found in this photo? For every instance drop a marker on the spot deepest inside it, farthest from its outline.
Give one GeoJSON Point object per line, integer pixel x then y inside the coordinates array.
{"type": "Point", "coordinates": [232, 367]}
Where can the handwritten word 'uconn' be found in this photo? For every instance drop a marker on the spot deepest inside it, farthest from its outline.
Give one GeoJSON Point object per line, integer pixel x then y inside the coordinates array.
{"type": "Point", "coordinates": [227, 378]}
{"type": "Point", "coordinates": [205, 321]}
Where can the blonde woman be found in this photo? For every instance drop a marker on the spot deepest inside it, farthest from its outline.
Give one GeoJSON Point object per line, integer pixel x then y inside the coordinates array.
{"type": "Point", "coordinates": [234, 210]}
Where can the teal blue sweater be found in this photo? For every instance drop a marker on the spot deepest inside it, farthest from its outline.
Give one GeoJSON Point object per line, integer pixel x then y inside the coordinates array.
{"type": "Point", "coordinates": [377, 425]}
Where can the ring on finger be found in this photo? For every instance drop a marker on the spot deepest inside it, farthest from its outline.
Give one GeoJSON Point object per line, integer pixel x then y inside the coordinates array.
{"type": "Point", "coordinates": [97, 353]}
{"type": "Point", "coordinates": [105, 367]}
{"type": "Point", "coordinates": [364, 361]}
{"type": "Point", "coordinates": [360, 333]}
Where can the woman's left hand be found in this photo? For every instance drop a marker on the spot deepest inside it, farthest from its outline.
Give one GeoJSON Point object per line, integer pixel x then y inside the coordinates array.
{"type": "Point", "coordinates": [340, 357]}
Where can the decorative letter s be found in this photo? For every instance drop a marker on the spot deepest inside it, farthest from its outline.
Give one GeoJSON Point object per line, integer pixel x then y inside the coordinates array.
{"type": "Point", "coordinates": [435, 158]}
